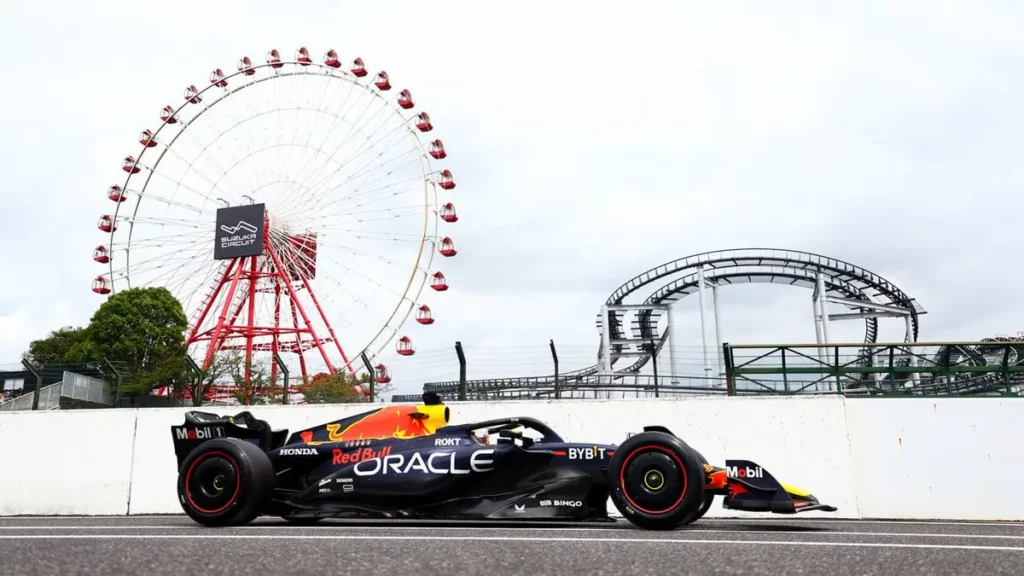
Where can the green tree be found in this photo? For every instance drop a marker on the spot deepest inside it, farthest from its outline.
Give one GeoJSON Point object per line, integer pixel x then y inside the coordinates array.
{"type": "Point", "coordinates": [58, 347]}
{"type": "Point", "coordinates": [220, 368]}
{"type": "Point", "coordinates": [327, 388]}
{"type": "Point", "coordinates": [144, 330]}
{"type": "Point", "coordinates": [259, 389]}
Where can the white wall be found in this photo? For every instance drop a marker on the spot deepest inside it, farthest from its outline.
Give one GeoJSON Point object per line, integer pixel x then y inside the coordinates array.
{"type": "Point", "coordinates": [72, 462]}
{"type": "Point", "coordinates": [876, 458]}
{"type": "Point", "coordinates": [938, 458]}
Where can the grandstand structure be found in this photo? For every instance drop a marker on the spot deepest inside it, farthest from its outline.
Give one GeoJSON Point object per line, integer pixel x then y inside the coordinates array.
{"type": "Point", "coordinates": [636, 325]}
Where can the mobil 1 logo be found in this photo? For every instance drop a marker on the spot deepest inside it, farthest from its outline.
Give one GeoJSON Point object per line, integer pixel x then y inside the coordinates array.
{"type": "Point", "coordinates": [198, 433]}
{"type": "Point", "coordinates": [239, 231]}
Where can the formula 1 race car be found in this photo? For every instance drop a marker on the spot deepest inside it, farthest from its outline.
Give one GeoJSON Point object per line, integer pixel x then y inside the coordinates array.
{"type": "Point", "coordinates": [406, 461]}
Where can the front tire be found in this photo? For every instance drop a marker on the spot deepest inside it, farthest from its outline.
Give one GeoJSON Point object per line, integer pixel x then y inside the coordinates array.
{"type": "Point", "coordinates": [709, 498]}
{"type": "Point", "coordinates": [225, 482]}
{"type": "Point", "coordinates": [656, 481]}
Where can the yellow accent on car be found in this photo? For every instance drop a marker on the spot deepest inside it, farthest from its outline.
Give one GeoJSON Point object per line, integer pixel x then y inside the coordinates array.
{"type": "Point", "coordinates": [794, 491]}
{"type": "Point", "coordinates": [437, 416]}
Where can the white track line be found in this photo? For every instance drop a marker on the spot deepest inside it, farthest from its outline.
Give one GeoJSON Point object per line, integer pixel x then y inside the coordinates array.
{"type": "Point", "coordinates": [777, 520]}
{"type": "Point", "coordinates": [504, 539]}
{"type": "Point", "coordinates": [859, 521]}
{"type": "Point", "coordinates": [321, 528]}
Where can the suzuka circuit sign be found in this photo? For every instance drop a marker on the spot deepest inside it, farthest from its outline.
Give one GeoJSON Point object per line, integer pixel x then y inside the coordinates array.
{"type": "Point", "coordinates": [239, 232]}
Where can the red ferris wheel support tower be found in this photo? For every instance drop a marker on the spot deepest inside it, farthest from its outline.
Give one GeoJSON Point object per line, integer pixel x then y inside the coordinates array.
{"type": "Point", "coordinates": [253, 266]}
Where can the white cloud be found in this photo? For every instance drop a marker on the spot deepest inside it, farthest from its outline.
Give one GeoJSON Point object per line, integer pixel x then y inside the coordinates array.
{"type": "Point", "coordinates": [590, 141]}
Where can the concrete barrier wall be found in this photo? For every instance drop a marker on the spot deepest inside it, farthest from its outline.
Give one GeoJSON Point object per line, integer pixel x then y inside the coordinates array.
{"type": "Point", "coordinates": [875, 458]}
{"type": "Point", "coordinates": [956, 458]}
{"type": "Point", "coordinates": [72, 462]}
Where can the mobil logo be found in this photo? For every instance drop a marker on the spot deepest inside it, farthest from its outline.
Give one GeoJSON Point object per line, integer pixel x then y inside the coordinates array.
{"type": "Point", "coordinates": [204, 433]}
{"type": "Point", "coordinates": [744, 472]}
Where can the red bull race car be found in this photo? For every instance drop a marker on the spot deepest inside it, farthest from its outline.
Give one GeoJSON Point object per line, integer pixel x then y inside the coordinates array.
{"type": "Point", "coordinates": [407, 461]}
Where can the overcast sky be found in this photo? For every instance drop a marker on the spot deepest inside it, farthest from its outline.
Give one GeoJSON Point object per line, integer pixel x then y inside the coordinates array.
{"type": "Point", "coordinates": [591, 141]}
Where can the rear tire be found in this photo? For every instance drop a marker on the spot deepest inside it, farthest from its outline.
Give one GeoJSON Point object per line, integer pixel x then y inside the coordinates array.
{"type": "Point", "coordinates": [225, 482]}
{"type": "Point", "coordinates": [656, 481]}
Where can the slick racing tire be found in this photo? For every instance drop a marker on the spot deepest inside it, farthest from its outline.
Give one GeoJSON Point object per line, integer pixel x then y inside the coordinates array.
{"type": "Point", "coordinates": [656, 481]}
{"type": "Point", "coordinates": [709, 498]}
{"type": "Point", "coordinates": [225, 482]}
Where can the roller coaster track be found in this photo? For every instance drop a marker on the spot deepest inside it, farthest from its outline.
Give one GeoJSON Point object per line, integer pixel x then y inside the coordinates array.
{"type": "Point", "coordinates": [966, 383]}
{"type": "Point", "coordinates": [680, 278]}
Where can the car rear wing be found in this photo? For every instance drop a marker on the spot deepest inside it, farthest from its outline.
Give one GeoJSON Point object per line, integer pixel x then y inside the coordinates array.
{"type": "Point", "coordinates": [202, 427]}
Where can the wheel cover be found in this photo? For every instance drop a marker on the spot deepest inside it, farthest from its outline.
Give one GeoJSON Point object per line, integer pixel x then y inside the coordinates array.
{"type": "Point", "coordinates": [212, 482]}
{"type": "Point", "coordinates": [653, 479]}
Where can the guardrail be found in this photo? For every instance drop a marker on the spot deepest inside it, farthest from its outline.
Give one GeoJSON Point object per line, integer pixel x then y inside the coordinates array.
{"type": "Point", "coordinates": [580, 387]}
{"type": "Point", "coordinates": [919, 368]}
{"type": "Point", "coordinates": [990, 367]}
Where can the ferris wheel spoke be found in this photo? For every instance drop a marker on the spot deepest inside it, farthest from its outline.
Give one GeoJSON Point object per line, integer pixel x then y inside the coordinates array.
{"type": "Point", "coordinates": [365, 95]}
{"type": "Point", "coordinates": [152, 196]}
{"type": "Point", "coordinates": [362, 173]}
{"type": "Point", "coordinates": [167, 222]}
{"type": "Point", "coordinates": [338, 121]}
{"type": "Point", "coordinates": [256, 188]}
{"type": "Point", "coordinates": [172, 275]}
{"type": "Point", "coordinates": [335, 122]}
{"type": "Point", "coordinates": [396, 211]}
{"type": "Point", "coordinates": [171, 260]}
{"type": "Point", "coordinates": [298, 256]}
{"type": "Point", "coordinates": [411, 184]}
{"type": "Point", "coordinates": [335, 212]}
{"type": "Point", "coordinates": [323, 181]}
{"type": "Point", "coordinates": [400, 130]}
{"type": "Point", "coordinates": [202, 153]}
{"type": "Point", "coordinates": [192, 167]}
{"type": "Point", "coordinates": [164, 260]}
{"type": "Point", "coordinates": [368, 146]}
{"type": "Point", "coordinates": [318, 179]}
{"type": "Point", "coordinates": [357, 130]}
{"type": "Point", "coordinates": [237, 120]}
{"type": "Point", "coordinates": [179, 184]}
{"type": "Point", "coordinates": [394, 188]}
{"type": "Point", "coordinates": [296, 259]}
{"type": "Point", "coordinates": [339, 239]}
{"type": "Point", "coordinates": [360, 217]}
{"type": "Point", "coordinates": [349, 239]}
{"type": "Point", "coordinates": [184, 238]}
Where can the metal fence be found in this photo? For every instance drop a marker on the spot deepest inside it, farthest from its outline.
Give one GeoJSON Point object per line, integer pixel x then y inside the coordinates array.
{"type": "Point", "coordinates": [73, 387]}
{"type": "Point", "coordinates": [990, 367]}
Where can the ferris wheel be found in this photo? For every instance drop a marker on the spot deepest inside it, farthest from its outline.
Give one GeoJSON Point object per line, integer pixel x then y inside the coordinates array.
{"type": "Point", "coordinates": [291, 207]}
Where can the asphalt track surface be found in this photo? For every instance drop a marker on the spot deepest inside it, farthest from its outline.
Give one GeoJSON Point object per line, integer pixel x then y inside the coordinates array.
{"type": "Point", "coordinates": [173, 545]}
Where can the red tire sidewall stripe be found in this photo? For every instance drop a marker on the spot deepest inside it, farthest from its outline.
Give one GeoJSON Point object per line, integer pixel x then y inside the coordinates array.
{"type": "Point", "coordinates": [238, 481]}
{"type": "Point", "coordinates": [622, 478]}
